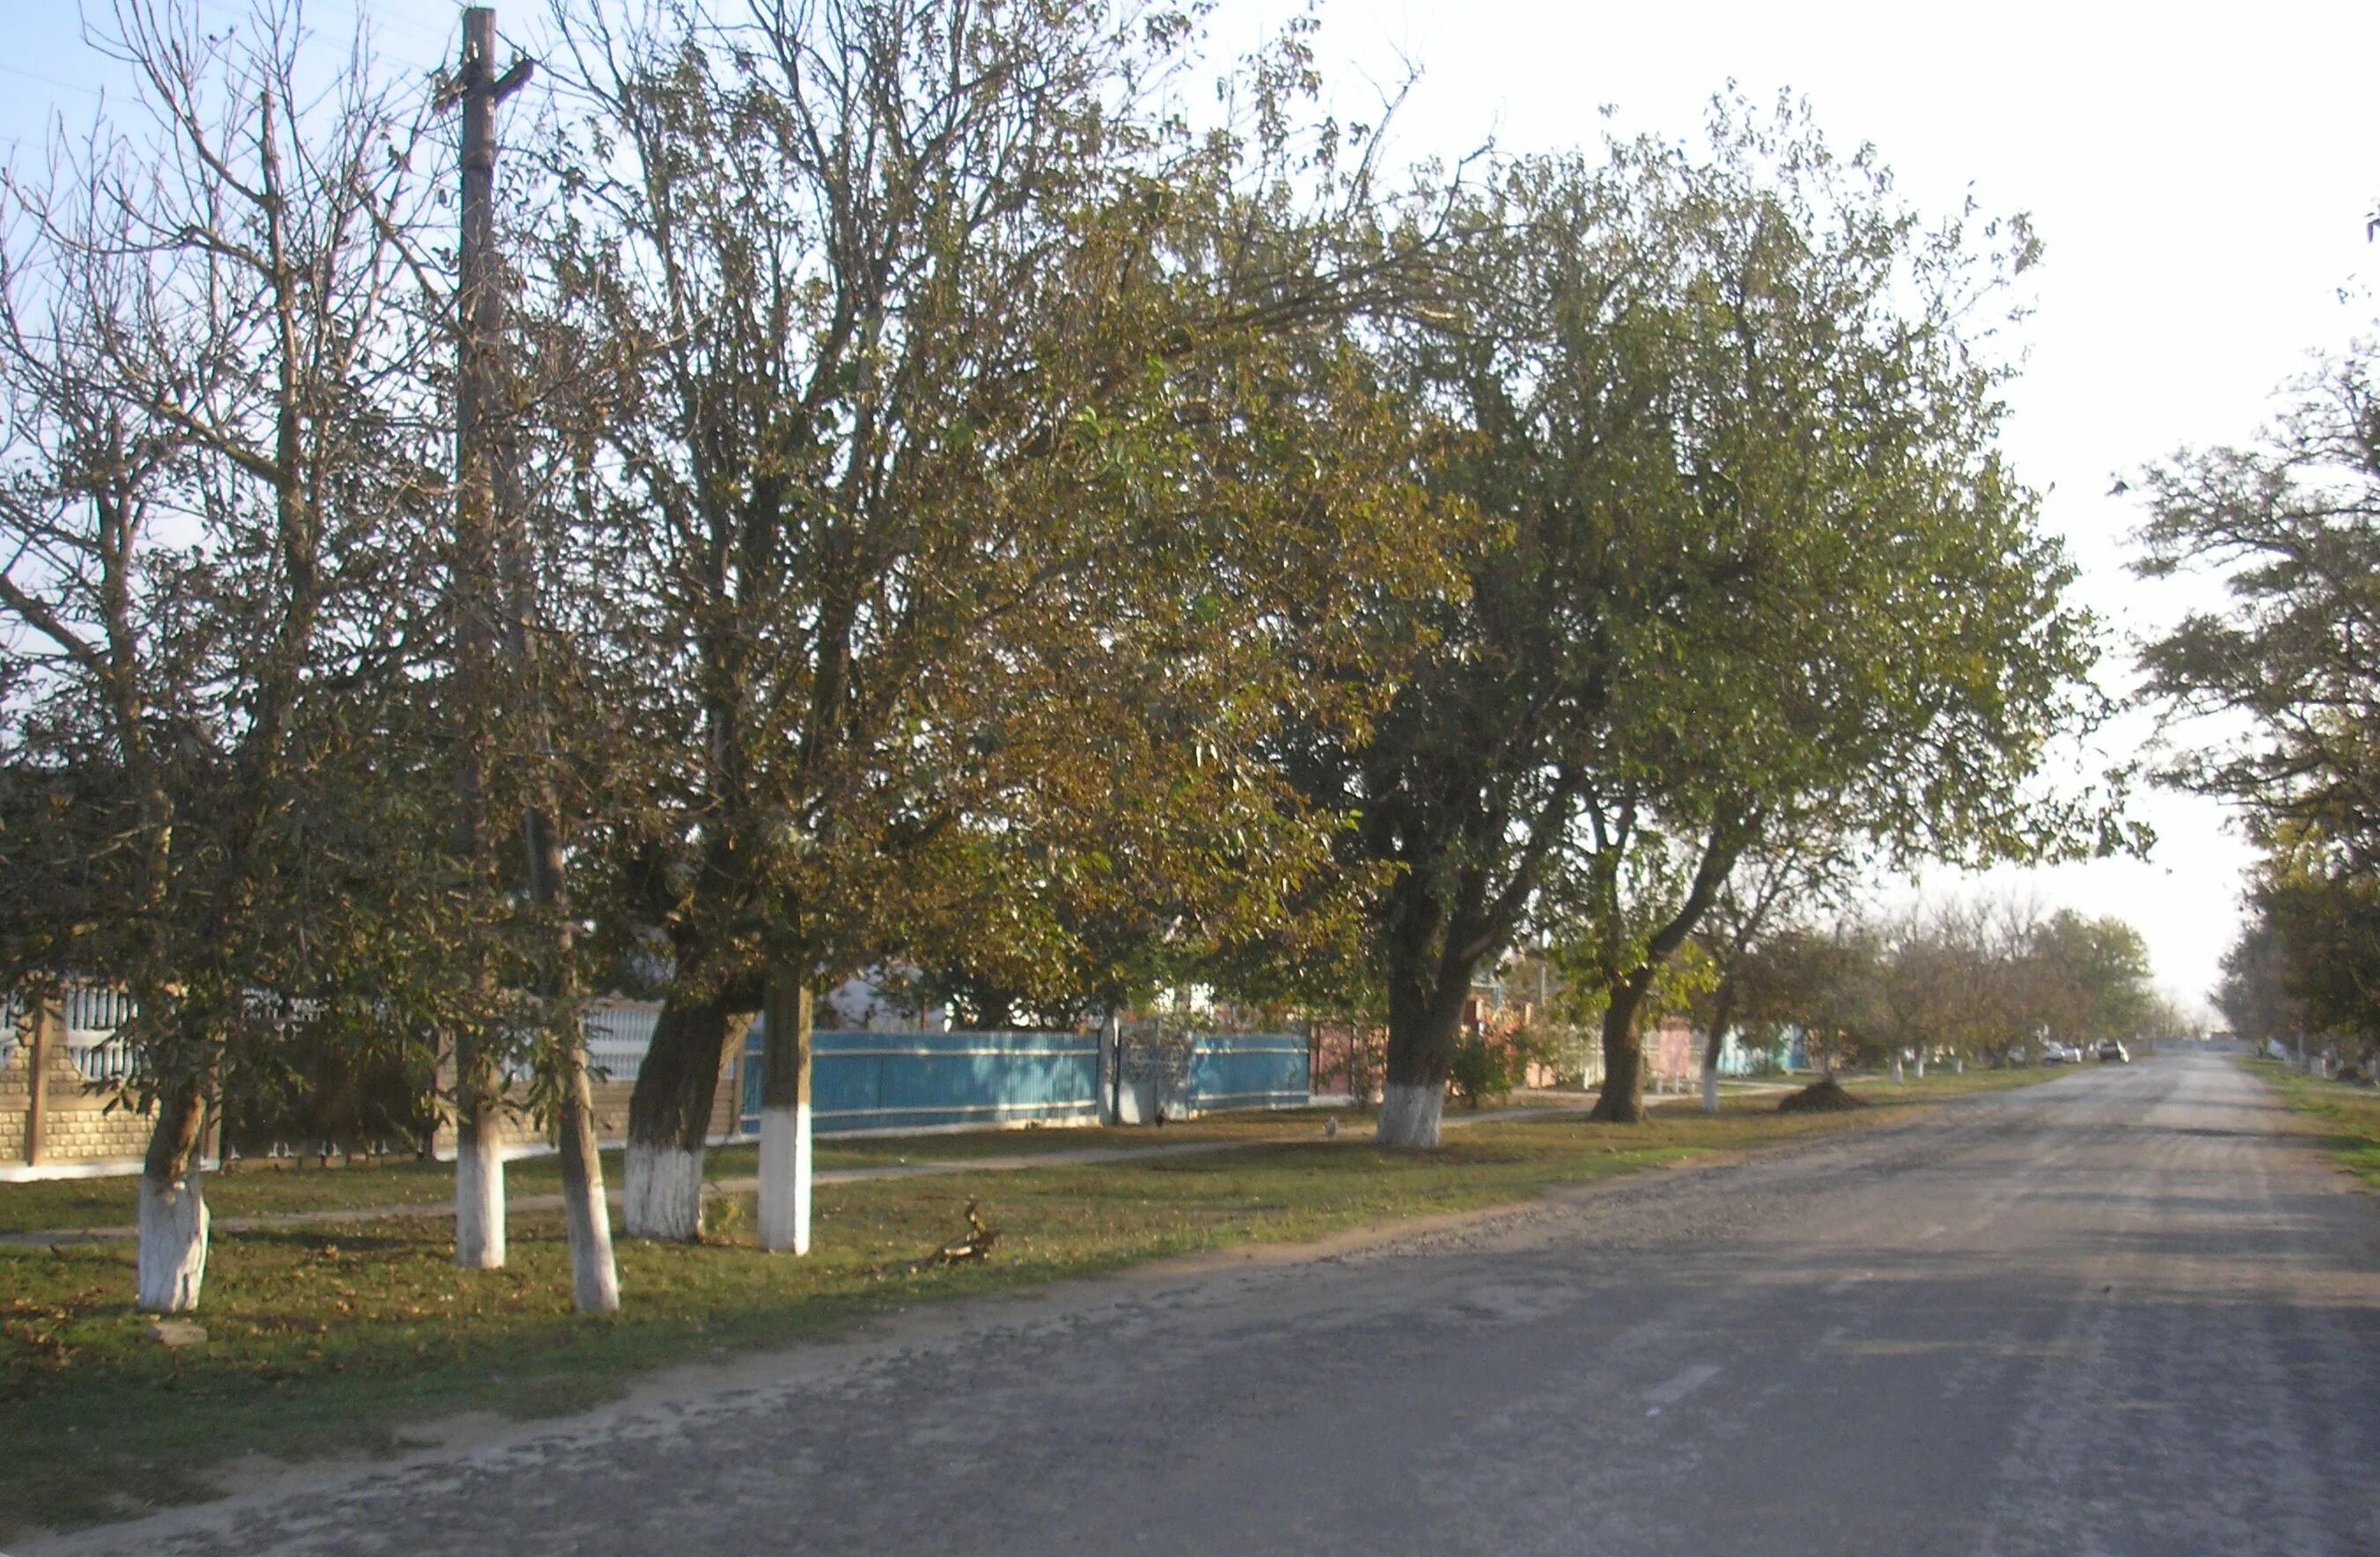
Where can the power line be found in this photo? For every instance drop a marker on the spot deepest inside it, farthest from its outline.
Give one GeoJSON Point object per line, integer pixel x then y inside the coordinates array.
{"type": "Point", "coordinates": [51, 81]}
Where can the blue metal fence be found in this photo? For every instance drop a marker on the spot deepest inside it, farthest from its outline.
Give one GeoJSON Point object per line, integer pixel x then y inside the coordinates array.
{"type": "Point", "coordinates": [923, 1081]}
{"type": "Point", "coordinates": [1784, 1053]}
{"type": "Point", "coordinates": [1257, 1070]}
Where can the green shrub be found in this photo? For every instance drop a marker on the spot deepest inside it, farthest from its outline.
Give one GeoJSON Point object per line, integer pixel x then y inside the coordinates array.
{"type": "Point", "coordinates": [1490, 1065]}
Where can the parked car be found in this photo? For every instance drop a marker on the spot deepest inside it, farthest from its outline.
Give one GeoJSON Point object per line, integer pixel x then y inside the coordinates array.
{"type": "Point", "coordinates": [2054, 1054]}
{"type": "Point", "coordinates": [2113, 1053]}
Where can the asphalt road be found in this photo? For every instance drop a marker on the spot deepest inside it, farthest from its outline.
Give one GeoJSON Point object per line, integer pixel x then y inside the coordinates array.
{"type": "Point", "coordinates": [2130, 1311]}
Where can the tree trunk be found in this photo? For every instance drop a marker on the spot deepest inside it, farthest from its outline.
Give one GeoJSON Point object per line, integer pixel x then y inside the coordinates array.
{"type": "Point", "coordinates": [47, 1025]}
{"type": "Point", "coordinates": [1111, 1055]}
{"type": "Point", "coordinates": [785, 1115]}
{"type": "Point", "coordinates": [1715, 1043]}
{"type": "Point", "coordinates": [1425, 1019]}
{"type": "Point", "coordinates": [594, 1276]}
{"type": "Point", "coordinates": [1895, 1068]}
{"type": "Point", "coordinates": [1622, 1100]}
{"type": "Point", "coordinates": [669, 1118]}
{"type": "Point", "coordinates": [173, 1240]}
{"type": "Point", "coordinates": [478, 1166]}
{"type": "Point", "coordinates": [1920, 1064]}
{"type": "Point", "coordinates": [1410, 1111]}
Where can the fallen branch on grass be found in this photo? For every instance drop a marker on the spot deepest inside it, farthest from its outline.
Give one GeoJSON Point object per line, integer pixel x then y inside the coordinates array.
{"type": "Point", "coordinates": [974, 1248]}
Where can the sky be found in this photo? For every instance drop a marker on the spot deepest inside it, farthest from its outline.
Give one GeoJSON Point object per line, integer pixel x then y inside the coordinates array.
{"type": "Point", "coordinates": [2200, 178]}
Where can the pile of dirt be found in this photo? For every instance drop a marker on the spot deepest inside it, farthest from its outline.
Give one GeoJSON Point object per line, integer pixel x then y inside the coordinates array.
{"type": "Point", "coordinates": [1824, 1095]}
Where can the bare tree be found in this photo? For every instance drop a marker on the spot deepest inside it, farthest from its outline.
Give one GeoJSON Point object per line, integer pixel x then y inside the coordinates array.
{"type": "Point", "coordinates": [213, 464]}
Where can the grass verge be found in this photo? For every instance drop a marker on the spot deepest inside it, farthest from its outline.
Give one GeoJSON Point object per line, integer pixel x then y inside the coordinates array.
{"type": "Point", "coordinates": [2350, 1114]}
{"type": "Point", "coordinates": [330, 1339]}
{"type": "Point", "coordinates": [286, 1186]}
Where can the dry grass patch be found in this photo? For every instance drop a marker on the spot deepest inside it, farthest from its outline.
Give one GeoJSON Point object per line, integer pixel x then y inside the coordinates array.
{"type": "Point", "coordinates": [2350, 1114]}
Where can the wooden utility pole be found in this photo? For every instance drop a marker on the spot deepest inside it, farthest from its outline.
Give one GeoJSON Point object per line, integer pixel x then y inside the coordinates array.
{"type": "Point", "coordinates": [480, 301]}
{"type": "Point", "coordinates": [479, 326]}
{"type": "Point", "coordinates": [496, 554]}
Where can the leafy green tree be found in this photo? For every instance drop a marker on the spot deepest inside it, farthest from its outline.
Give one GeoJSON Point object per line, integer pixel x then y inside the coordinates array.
{"type": "Point", "coordinates": [2255, 994]}
{"type": "Point", "coordinates": [1986, 979]}
{"type": "Point", "coordinates": [1942, 984]}
{"type": "Point", "coordinates": [1821, 982]}
{"type": "Point", "coordinates": [2291, 528]}
{"type": "Point", "coordinates": [2090, 978]}
{"type": "Point", "coordinates": [1746, 546]}
{"type": "Point", "coordinates": [2309, 969]}
{"type": "Point", "coordinates": [973, 465]}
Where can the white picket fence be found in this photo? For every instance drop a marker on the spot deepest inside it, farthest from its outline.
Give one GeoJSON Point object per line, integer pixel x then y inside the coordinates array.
{"type": "Point", "coordinates": [92, 1014]}
{"type": "Point", "coordinates": [618, 1033]}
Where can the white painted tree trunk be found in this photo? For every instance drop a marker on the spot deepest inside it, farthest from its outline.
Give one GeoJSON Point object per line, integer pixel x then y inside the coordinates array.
{"type": "Point", "coordinates": [173, 1257]}
{"type": "Point", "coordinates": [1959, 1065]}
{"type": "Point", "coordinates": [478, 1194]}
{"type": "Point", "coordinates": [1409, 1115]}
{"type": "Point", "coordinates": [1921, 1065]}
{"type": "Point", "coordinates": [664, 1196]}
{"type": "Point", "coordinates": [1895, 1068]}
{"type": "Point", "coordinates": [786, 1106]}
{"type": "Point", "coordinates": [785, 1178]}
{"type": "Point", "coordinates": [1710, 1086]}
{"type": "Point", "coordinates": [594, 1274]}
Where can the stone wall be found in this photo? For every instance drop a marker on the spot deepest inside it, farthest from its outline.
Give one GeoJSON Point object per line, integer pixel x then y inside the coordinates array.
{"type": "Point", "coordinates": [80, 1128]}
{"type": "Point", "coordinates": [77, 1124]}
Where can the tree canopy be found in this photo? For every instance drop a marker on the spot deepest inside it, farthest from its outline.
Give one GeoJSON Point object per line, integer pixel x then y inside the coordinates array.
{"type": "Point", "coordinates": [2284, 685]}
{"type": "Point", "coordinates": [1744, 544]}
{"type": "Point", "coordinates": [936, 501]}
